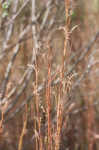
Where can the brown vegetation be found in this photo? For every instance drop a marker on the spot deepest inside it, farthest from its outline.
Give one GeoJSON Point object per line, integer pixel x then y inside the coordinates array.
{"type": "Point", "coordinates": [49, 75]}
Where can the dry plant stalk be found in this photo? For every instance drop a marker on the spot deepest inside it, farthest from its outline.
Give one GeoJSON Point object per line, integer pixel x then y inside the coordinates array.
{"type": "Point", "coordinates": [59, 124]}
{"type": "Point", "coordinates": [62, 88]}
{"type": "Point", "coordinates": [60, 110]}
{"type": "Point", "coordinates": [37, 108]}
{"type": "Point", "coordinates": [48, 99]}
{"type": "Point", "coordinates": [1, 122]}
{"type": "Point", "coordinates": [23, 132]}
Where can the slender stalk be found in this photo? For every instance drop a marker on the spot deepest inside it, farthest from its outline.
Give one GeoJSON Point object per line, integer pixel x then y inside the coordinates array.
{"type": "Point", "coordinates": [23, 132]}
{"type": "Point", "coordinates": [59, 122]}
{"type": "Point", "coordinates": [65, 63]}
{"type": "Point", "coordinates": [48, 94]}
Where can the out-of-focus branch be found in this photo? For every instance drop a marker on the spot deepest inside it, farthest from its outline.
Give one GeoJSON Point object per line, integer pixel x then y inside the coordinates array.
{"type": "Point", "coordinates": [49, 5]}
{"type": "Point", "coordinates": [12, 92]}
{"type": "Point", "coordinates": [32, 62]}
{"type": "Point", "coordinates": [34, 33]}
{"type": "Point", "coordinates": [10, 27]}
{"type": "Point", "coordinates": [16, 14]}
{"type": "Point", "coordinates": [33, 22]}
{"type": "Point", "coordinates": [8, 70]}
{"type": "Point", "coordinates": [24, 86]}
{"type": "Point", "coordinates": [8, 73]}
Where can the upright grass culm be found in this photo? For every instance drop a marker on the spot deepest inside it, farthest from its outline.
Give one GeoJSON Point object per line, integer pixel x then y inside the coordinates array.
{"type": "Point", "coordinates": [48, 99]}
{"type": "Point", "coordinates": [37, 109]}
{"type": "Point", "coordinates": [59, 121]}
{"type": "Point", "coordinates": [62, 89]}
{"type": "Point", "coordinates": [1, 122]}
{"type": "Point", "coordinates": [23, 131]}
